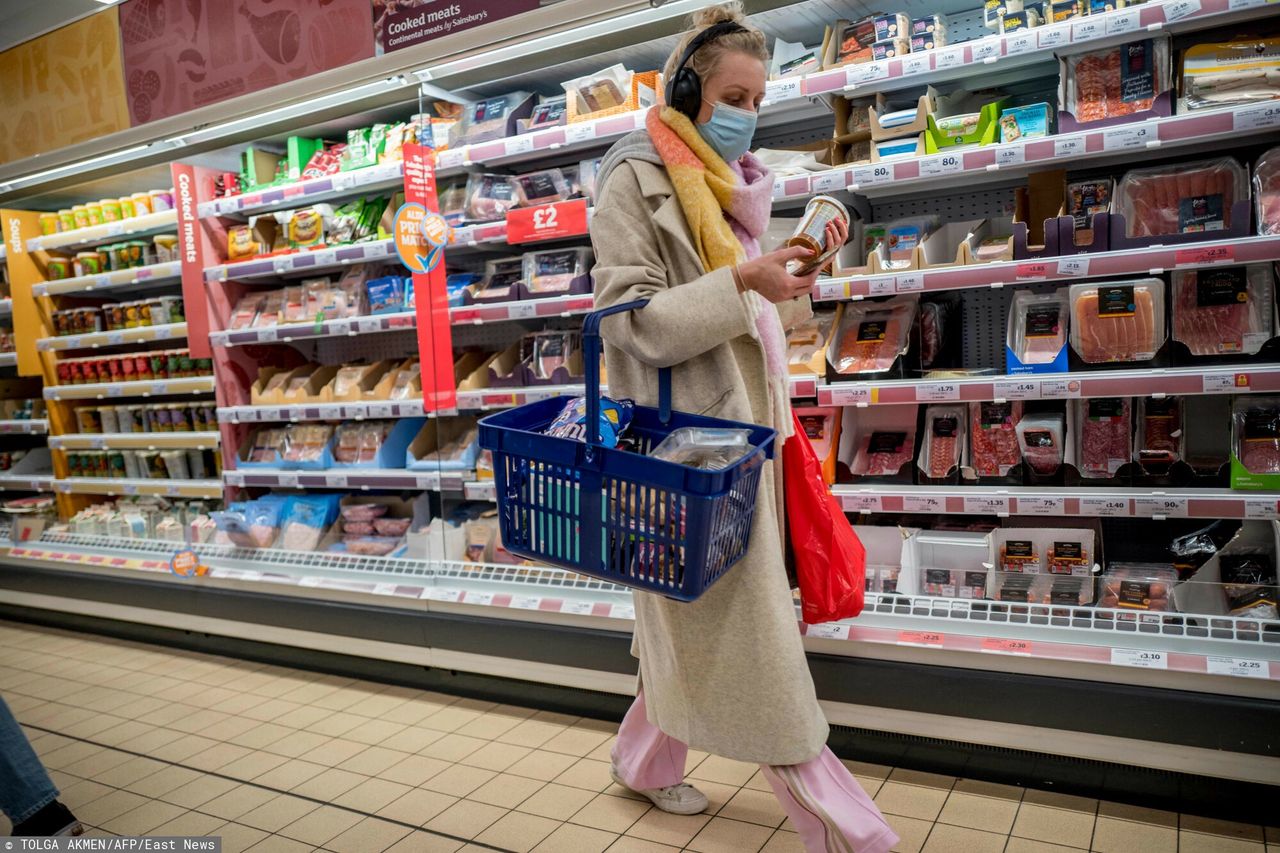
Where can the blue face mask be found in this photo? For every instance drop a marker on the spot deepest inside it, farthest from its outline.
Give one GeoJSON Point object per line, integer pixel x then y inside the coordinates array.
{"type": "Point", "coordinates": [729, 131]}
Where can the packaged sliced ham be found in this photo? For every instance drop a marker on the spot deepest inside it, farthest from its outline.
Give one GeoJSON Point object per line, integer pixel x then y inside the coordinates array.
{"type": "Point", "coordinates": [1160, 433]}
{"type": "Point", "coordinates": [1040, 439]}
{"type": "Point", "coordinates": [1037, 330]}
{"type": "Point", "coordinates": [1117, 321]}
{"type": "Point", "coordinates": [944, 428]}
{"type": "Point", "coordinates": [1266, 191]}
{"type": "Point", "coordinates": [1257, 433]}
{"type": "Point", "coordinates": [1182, 199]}
{"type": "Point", "coordinates": [1223, 311]}
{"type": "Point", "coordinates": [1222, 74]}
{"type": "Point", "coordinates": [1116, 81]}
{"type": "Point", "coordinates": [993, 437]}
{"type": "Point", "coordinates": [883, 453]}
{"type": "Point", "coordinates": [1104, 435]}
{"type": "Point", "coordinates": [872, 335]}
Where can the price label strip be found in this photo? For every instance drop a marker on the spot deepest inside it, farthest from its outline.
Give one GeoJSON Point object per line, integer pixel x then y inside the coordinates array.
{"type": "Point", "coordinates": [1139, 658]}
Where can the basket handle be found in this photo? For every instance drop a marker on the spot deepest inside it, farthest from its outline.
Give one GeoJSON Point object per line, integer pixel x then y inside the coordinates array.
{"type": "Point", "coordinates": [591, 354]}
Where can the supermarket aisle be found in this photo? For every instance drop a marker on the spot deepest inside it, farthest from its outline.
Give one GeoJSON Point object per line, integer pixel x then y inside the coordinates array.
{"type": "Point", "coordinates": [143, 740]}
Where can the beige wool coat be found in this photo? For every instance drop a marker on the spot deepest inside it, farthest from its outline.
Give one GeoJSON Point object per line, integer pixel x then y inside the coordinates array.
{"type": "Point", "coordinates": [727, 673]}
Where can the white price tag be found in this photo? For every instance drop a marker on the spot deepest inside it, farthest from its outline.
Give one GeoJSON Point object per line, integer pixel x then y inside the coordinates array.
{"type": "Point", "coordinates": [287, 479]}
{"type": "Point", "coordinates": [115, 391]}
{"type": "Point", "coordinates": [579, 132]}
{"type": "Point", "coordinates": [1258, 116]}
{"type": "Point", "coordinates": [1059, 389]}
{"type": "Point", "coordinates": [1262, 508]}
{"type": "Point", "coordinates": [581, 608]}
{"type": "Point", "coordinates": [881, 285]}
{"type": "Point", "coordinates": [987, 505]}
{"type": "Point", "coordinates": [1068, 146]}
{"type": "Point", "coordinates": [985, 49]}
{"type": "Point", "coordinates": [114, 338]}
{"type": "Point", "coordinates": [942, 164]}
{"type": "Point", "coordinates": [267, 334]}
{"type": "Point", "coordinates": [861, 503]}
{"type": "Point", "coordinates": [850, 396]}
{"type": "Point", "coordinates": [1110, 507]}
{"type": "Point", "coordinates": [233, 478]}
{"type": "Point", "coordinates": [518, 145]}
{"type": "Point", "coordinates": [924, 503]}
{"type": "Point", "coordinates": [1017, 389]}
{"type": "Point", "coordinates": [1179, 9]}
{"type": "Point", "coordinates": [172, 490]}
{"type": "Point", "coordinates": [1088, 29]}
{"type": "Point", "coordinates": [1124, 22]}
{"type": "Point", "coordinates": [335, 481]}
{"type": "Point", "coordinates": [909, 281]}
{"type": "Point", "coordinates": [828, 290]}
{"type": "Point", "coordinates": [1041, 506]}
{"type": "Point", "coordinates": [381, 410]}
{"type": "Point", "coordinates": [916, 63]}
{"type": "Point", "coordinates": [878, 173]}
{"type": "Point", "coordinates": [1050, 37]}
{"type": "Point", "coordinates": [1139, 658]}
{"type": "Point", "coordinates": [130, 488]}
{"type": "Point", "coordinates": [481, 598]}
{"type": "Point", "coordinates": [324, 257]}
{"type": "Point", "coordinates": [1136, 136]}
{"type": "Point", "coordinates": [622, 611]}
{"type": "Point", "coordinates": [932, 392]}
{"type": "Point", "coordinates": [779, 187]}
{"type": "Point", "coordinates": [952, 57]}
{"type": "Point", "coordinates": [1020, 43]}
{"type": "Point", "coordinates": [1239, 667]}
{"type": "Point", "coordinates": [523, 311]}
{"type": "Point", "coordinates": [343, 181]}
{"type": "Point", "coordinates": [428, 482]}
{"type": "Point", "coordinates": [365, 325]}
{"type": "Point", "coordinates": [282, 265]}
{"type": "Point", "coordinates": [1238, 5]}
{"type": "Point", "coordinates": [782, 90]}
{"type": "Point", "coordinates": [72, 343]}
{"type": "Point", "coordinates": [867, 72]}
{"type": "Point", "coordinates": [1160, 507]}
{"type": "Point", "coordinates": [163, 333]}
{"type": "Point", "coordinates": [443, 594]}
{"type": "Point", "coordinates": [1218, 383]}
{"type": "Point", "coordinates": [115, 229]}
{"type": "Point", "coordinates": [98, 442]}
{"type": "Point", "coordinates": [160, 388]}
{"type": "Point", "coordinates": [832, 631]}
{"type": "Point", "coordinates": [1077, 265]}
{"type": "Point", "coordinates": [1011, 155]}
{"type": "Point", "coordinates": [452, 158]}
{"type": "Point", "coordinates": [830, 182]}
{"type": "Point", "coordinates": [525, 602]}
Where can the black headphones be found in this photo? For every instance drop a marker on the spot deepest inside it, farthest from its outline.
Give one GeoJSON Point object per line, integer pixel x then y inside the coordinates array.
{"type": "Point", "coordinates": [684, 89]}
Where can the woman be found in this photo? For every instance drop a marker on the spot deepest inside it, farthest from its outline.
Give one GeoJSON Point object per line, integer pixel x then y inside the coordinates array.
{"type": "Point", "coordinates": [680, 210]}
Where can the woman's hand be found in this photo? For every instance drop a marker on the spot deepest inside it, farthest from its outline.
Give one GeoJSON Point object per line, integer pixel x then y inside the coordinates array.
{"type": "Point", "coordinates": [767, 275]}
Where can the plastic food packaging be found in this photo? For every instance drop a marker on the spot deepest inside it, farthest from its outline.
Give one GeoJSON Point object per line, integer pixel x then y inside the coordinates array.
{"type": "Point", "coordinates": [954, 583]}
{"type": "Point", "coordinates": [1257, 433]}
{"type": "Point", "coordinates": [1181, 199]}
{"type": "Point", "coordinates": [1119, 321]}
{"type": "Point", "coordinates": [708, 449]}
{"type": "Point", "coordinates": [488, 119]}
{"type": "Point", "coordinates": [1266, 191]}
{"type": "Point", "coordinates": [489, 197]}
{"type": "Point", "coordinates": [1070, 556]}
{"type": "Point", "coordinates": [555, 270]}
{"type": "Point", "coordinates": [501, 280]}
{"type": "Point", "coordinates": [1116, 81]}
{"type": "Point", "coordinates": [1249, 582]}
{"type": "Point", "coordinates": [902, 238]}
{"type": "Point", "coordinates": [240, 243]}
{"type": "Point", "coordinates": [1223, 311]}
{"type": "Point", "coordinates": [363, 512]}
{"type": "Point", "coordinates": [1085, 198]}
{"type": "Point", "coordinates": [602, 90]}
{"type": "Point", "coordinates": [889, 48]}
{"type": "Point", "coordinates": [391, 526]}
{"type": "Point", "coordinates": [587, 170]}
{"type": "Point", "coordinates": [944, 439]}
{"type": "Point", "coordinates": [306, 442]}
{"type": "Point", "coordinates": [305, 228]}
{"type": "Point", "coordinates": [891, 26]}
{"type": "Point", "coordinates": [358, 443]}
{"type": "Point", "coordinates": [934, 315]}
{"type": "Point", "coordinates": [811, 233]}
{"type": "Point", "coordinates": [1160, 433]}
{"type": "Point", "coordinates": [855, 41]}
{"type": "Point", "coordinates": [807, 340]}
{"type": "Point", "coordinates": [371, 546]}
{"type": "Point", "coordinates": [1037, 327]}
{"type": "Point", "coordinates": [872, 336]}
{"type": "Point", "coordinates": [549, 113]}
{"type": "Point", "coordinates": [305, 519]}
{"type": "Point", "coordinates": [883, 453]}
{"type": "Point", "coordinates": [1030, 122]}
{"type": "Point", "coordinates": [544, 187]}
{"type": "Point", "coordinates": [1104, 435]}
{"type": "Point", "coordinates": [993, 437]}
{"type": "Point", "coordinates": [1040, 439]}
{"type": "Point", "coordinates": [546, 352]}
{"type": "Point", "coordinates": [385, 295]}
{"type": "Point", "coordinates": [1137, 586]}
{"type": "Point", "coordinates": [615, 417]}
{"type": "Point", "coordinates": [252, 524]}
{"type": "Point", "coordinates": [1229, 73]}
{"type": "Point", "coordinates": [1021, 556]}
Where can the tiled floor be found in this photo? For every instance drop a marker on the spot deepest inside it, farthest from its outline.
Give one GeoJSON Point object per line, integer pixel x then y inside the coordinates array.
{"type": "Point", "coordinates": [143, 740]}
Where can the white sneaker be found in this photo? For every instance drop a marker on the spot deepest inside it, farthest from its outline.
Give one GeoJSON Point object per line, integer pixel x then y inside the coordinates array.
{"type": "Point", "coordinates": [674, 799]}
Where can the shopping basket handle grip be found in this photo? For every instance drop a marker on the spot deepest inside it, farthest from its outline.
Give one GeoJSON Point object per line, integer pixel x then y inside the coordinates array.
{"type": "Point", "coordinates": [591, 354]}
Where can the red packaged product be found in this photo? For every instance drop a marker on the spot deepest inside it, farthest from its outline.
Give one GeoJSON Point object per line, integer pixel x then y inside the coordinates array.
{"type": "Point", "coordinates": [142, 367]}
{"type": "Point", "coordinates": [1161, 437]}
{"type": "Point", "coordinates": [944, 436]}
{"type": "Point", "coordinates": [883, 454]}
{"type": "Point", "coordinates": [1105, 436]}
{"type": "Point", "coordinates": [1266, 191]}
{"type": "Point", "coordinates": [993, 437]}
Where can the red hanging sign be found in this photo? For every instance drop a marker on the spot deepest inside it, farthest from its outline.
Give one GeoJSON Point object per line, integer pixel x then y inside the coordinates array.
{"type": "Point", "coordinates": [431, 299]}
{"type": "Point", "coordinates": [547, 221]}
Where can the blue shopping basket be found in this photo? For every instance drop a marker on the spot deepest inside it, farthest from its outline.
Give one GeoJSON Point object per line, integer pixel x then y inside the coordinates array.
{"type": "Point", "coordinates": [618, 515]}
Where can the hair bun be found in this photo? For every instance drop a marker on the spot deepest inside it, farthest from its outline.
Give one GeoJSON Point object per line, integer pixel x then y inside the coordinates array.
{"type": "Point", "coordinates": [719, 14]}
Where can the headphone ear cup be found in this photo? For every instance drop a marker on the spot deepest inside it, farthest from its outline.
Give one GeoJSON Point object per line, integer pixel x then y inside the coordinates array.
{"type": "Point", "coordinates": [686, 93]}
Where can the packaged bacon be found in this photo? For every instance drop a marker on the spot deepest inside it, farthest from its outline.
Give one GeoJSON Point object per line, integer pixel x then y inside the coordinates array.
{"type": "Point", "coordinates": [993, 437]}
{"type": "Point", "coordinates": [883, 453]}
{"type": "Point", "coordinates": [1256, 423]}
{"type": "Point", "coordinates": [1040, 439]}
{"type": "Point", "coordinates": [1160, 433]}
{"type": "Point", "coordinates": [944, 428]}
{"type": "Point", "coordinates": [1224, 310]}
{"type": "Point", "coordinates": [1104, 435]}
{"type": "Point", "coordinates": [1117, 321]}
{"type": "Point", "coordinates": [1266, 191]}
{"type": "Point", "coordinates": [1117, 81]}
{"type": "Point", "coordinates": [871, 336]}
{"type": "Point", "coordinates": [1182, 199]}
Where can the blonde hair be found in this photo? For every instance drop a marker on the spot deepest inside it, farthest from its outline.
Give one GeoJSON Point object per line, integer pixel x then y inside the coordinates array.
{"type": "Point", "coordinates": [749, 41]}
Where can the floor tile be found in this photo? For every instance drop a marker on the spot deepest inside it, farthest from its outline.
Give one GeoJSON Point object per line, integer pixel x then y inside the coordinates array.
{"type": "Point", "coordinates": [413, 739]}
{"type": "Point", "coordinates": [506, 790]}
{"type": "Point", "coordinates": [576, 839]}
{"type": "Point", "coordinates": [289, 775]}
{"type": "Point", "coordinates": [415, 770]}
{"type": "Point", "coordinates": [425, 842]}
{"type": "Point", "coordinates": [417, 807]}
{"type": "Point", "coordinates": [252, 765]}
{"type": "Point", "coordinates": [530, 733]}
{"type": "Point", "coordinates": [329, 785]}
{"type": "Point", "coordinates": [1225, 828]}
{"type": "Point", "coordinates": [911, 800]}
{"type": "Point", "coordinates": [517, 831]}
{"type": "Point", "coordinates": [373, 760]}
{"type": "Point", "coordinates": [628, 844]}
{"type": "Point", "coordinates": [587, 773]}
{"type": "Point", "coordinates": [190, 823]}
{"type": "Point", "coordinates": [321, 825]}
{"type": "Point", "coordinates": [143, 819]}
{"type": "Point", "coordinates": [196, 792]}
{"type": "Point", "coordinates": [238, 837]}
{"type": "Point", "coordinates": [237, 801]}
{"type": "Point", "coordinates": [296, 744]}
{"type": "Point", "coordinates": [496, 756]}
{"type": "Point", "coordinates": [465, 819]}
{"type": "Point", "coordinates": [373, 732]}
{"type": "Point", "coordinates": [911, 831]}
{"type": "Point", "coordinates": [279, 844]}
{"type": "Point", "coordinates": [278, 813]}
{"type": "Point", "coordinates": [1197, 842]}
{"type": "Point", "coordinates": [1124, 811]}
{"type": "Point", "coordinates": [1059, 826]}
{"type": "Point", "coordinates": [261, 735]}
{"type": "Point", "coordinates": [370, 835]}
{"type": "Point", "coordinates": [994, 814]}
{"type": "Point", "coordinates": [79, 794]}
{"type": "Point", "coordinates": [334, 751]}
{"type": "Point", "coordinates": [109, 806]}
{"type": "Point", "coordinates": [1112, 835]}
{"type": "Point", "coordinates": [559, 802]}
{"type": "Point", "coordinates": [217, 757]}
{"type": "Point", "coordinates": [677, 830]}
{"type": "Point", "coordinates": [612, 814]}
{"type": "Point", "coordinates": [371, 795]}
{"type": "Point", "coordinates": [958, 839]}
{"type": "Point", "coordinates": [754, 807]}
{"type": "Point", "coordinates": [724, 770]}
{"type": "Point", "coordinates": [1026, 845]}
{"type": "Point", "coordinates": [783, 842]}
{"type": "Point", "coordinates": [459, 780]}
{"type": "Point", "coordinates": [722, 835]}
{"type": "Point", "coordinates": [542, 765]}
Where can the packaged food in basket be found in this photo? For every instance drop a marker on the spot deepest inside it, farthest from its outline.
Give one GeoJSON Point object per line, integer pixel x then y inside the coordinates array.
{"type": "Point", "coordinates": [542, 187]}
{"type": "Point", "coordinates": [1266, 191]}
{"type": "Point", "coordinates": [1116, 81]}
{"type": "Point", "coordinates": [1228, 73]}
{"type": "Point", "coordinates": [944, 439]}
{"type": "Point", "coordinates": [1257, 433]}
{"type": "Point", "coordinates": [708, 449]}
{"type": "Point", "coordinates": [1181, 199]}
{"type": "Point", "coordinates": [993, 437]}
{"type": "Point", "coordinates": [1249, 582]}
{"type": "Point", "coordinates": [489, 197]}
{"type": "Point", "coordinates": [1160, 433]}
{"type": "Point", "coordinates": [1118, 321]}
{"type": "Point", "coordinates": [872, 335]}
{"type": "Point", "coordinates": [571, 423]}
{"type": "Point", "coordinates": [883, 453]}
{"type": "Point", "coordinates": [1040, 439]}
{"type": "Point", "coordinates": [1104, 435]}
{"type": "Point", "coordinates": [1137, 586]}
{"type": "Point", "coordinates": [555, 270]}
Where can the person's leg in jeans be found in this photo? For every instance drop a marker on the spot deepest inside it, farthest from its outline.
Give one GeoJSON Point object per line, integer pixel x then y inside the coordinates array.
{"type": "Point", "coordinates": [25, 787]}
{"type": "Point", "coordinates": [829, 808]}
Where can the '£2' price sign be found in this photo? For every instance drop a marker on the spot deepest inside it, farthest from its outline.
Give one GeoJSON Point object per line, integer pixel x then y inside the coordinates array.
{"type": "Point", "coordinates": [547, 221]}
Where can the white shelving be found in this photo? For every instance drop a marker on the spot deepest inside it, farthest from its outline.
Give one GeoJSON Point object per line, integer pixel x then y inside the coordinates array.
{"type": "Point", "coordinates": [114, 487]}
{"type": "Point", "coordinates": [137, 226]}
{"type": "Point", "coordinates": [155, 274]}
{"type": "Point", "coordinates": [25, 483]}
{"type": "Point", "coordinates": [8, 359]}
{"type": "Point", "coordinates": [289, 332]}
{"type": "Point", "coordinates": [137, 388]}
{"type": "Point", "coordinates": [35, 426]}
{"type": "Point", "coordinates": [528, 309]}
{"type": "Point", "coordinates": [94, 340]}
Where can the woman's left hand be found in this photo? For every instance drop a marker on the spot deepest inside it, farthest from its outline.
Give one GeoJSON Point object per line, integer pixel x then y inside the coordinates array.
{"type": "Point", "coordinates": [837, 232]}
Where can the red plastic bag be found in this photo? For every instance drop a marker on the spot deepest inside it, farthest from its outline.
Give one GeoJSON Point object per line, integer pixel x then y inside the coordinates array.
{"type": "Point", "coordinates": [830, 562]}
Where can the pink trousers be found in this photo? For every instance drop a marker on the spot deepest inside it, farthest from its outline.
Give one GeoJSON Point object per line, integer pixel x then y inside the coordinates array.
{"type": "Point", "coordinates": [825, 803]}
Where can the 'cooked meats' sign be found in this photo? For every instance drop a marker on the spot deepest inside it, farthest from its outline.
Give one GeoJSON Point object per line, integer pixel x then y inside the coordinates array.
{"type": "Point", "coordinates": [403, 23]}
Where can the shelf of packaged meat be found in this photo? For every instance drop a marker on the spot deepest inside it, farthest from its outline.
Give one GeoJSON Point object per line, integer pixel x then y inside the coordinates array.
{"type": "Point", "coordinates": [314, 260]}
{"type": "Point", "coordinates": [529, 309]}
{"type": "Point", "coordinates": [1058, 501]}
{"type": "Point", "coordinates": [289, 332]}
{"type": "Point", "coordinates": [137, 226]}
{"type": "Point", "coordinates": [505, 398]}
{"type": "Point", "coordinates": [1151, 260]}
{"type": "Point", "coordinates": [326, 188]}
{"type": "Point", "coordinates": [137, 388]}
{"type": "Point", "coordinates": [113, 486]}
{"type": "Point", "coordinates": [155, 274]}
{"type": "Point", "coordinates": [1125, 142]}
{"type": "Point", "coordinates": [351, 478]}
{"type": "Point", "coordinates": [8, 359]}
{"type": "Point", "coordinates": [135, 441]}
{"type": "Point", "coordinates": [38, 426]}
{"type": "Point", "coordinates": [94, 340]}
{"type": "Point", "coordinates": [21, 483]}
{"type": "Point", "coordinates": [1149, 382]}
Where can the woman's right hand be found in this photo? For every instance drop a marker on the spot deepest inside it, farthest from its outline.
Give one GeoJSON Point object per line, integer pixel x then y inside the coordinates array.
{"type": "Point", "coordinates": [767, 275]}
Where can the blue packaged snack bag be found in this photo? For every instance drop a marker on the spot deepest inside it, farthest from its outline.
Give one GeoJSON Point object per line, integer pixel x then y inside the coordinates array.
{"type": "Point", "coordinates": [615, 417]}
{"type": "Point", "coordinates": [386, 295]}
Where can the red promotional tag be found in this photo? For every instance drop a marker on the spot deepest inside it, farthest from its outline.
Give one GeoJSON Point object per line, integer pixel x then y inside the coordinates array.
{"type": "Point", "coordinates": [431, 299]}
{"type": "Point", "coordinates": [1205, 255]}
{"type": "Point", "coordinates": [547, 221]}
